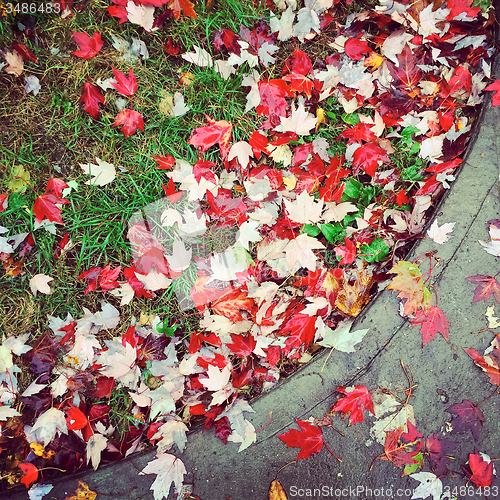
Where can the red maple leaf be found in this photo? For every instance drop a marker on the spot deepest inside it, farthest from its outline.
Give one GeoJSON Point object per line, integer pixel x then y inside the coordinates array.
{"type": "Point", "coordinates": [164, 162]}
{"type": "Point", "coordinates": [137, 286]}
{"type": "Point", "coordinates": [495, 86]}
{"type": "Point", "coordinates": [91, 275]}
{"type": "Point", "coordinates": [480, 471]}
{"type": "Point", "coordinates": [89, 47]}
{"type": "Point", "coordinates": [75, 418]}
{"type": "Point", "coordinates": [24, 52]}
{"type": "Point", "coordinates": [489, 362]}
{"type": "Point", "coordinates": [396, 451]}
{"type": "Point", "coordinates": [302, 328]}
{"type": "Point", "coordinates": [309, 439]}
{"type": "Point", "coordinates": [429, 187]}
{"type": "Point", "coordinates": [30, 473]}
{"type": "Point", "coordinates": [368, 156]}
{"type": "Point", "coordinates": [259, 143]}
{"type": "Point", "coordinates": [487, 285]}
{"type": "Point", "coordinates": [298, 65]}
{"type": "Point", "coordinates": [231, 303]}
{"type": "Point", "coordinates": [229, 39]}
{"type": "Point", "coordinates": [437, 450]}
{"type": "Point", "coordinates": [124, 85]}
{"type": "Point", "coordinates": [432, 321]}
{"type": "Point", "coordinates": [104, 386]}
{"type": "Point", "coordinates": [469, 418]}
{"type": "Point", "coordinates": [119, 11]}
{"type": "Point", "coordinates": [354, 402]}
{"type": "Point", "coordinates": [407, 72]}
{"type": "Point", "coordinates": [360, 132]}
{"type": "Point", "coordinates": [46, 205]}
{"type": "Point", "coordinates": [56, 186]}
{"type": "Point", "coordinates": [355, 48]}
{"type": "Point", "coordinates": [182, 5]}
{"type": "Point", "coordinates": [443, 167]}
{"type": "Point", "coordinates": [458, 7]}
{"type": "Point", "coordinates": [171, 47]}
{"type": "Point", "coordinates": [272, 97]}
{"type": "Point", "coordinates": [217, 132]}
{"type": "Point", "coordinates": [91, 97]}
{"type": "Point", "coordinates": [107, 278]}
{"type": "Point", "coordinates": [129, 120]}
{"type": "Point", "coordinates": [242, 345]}
{"type": "Point", "coordinates": [347, 252]}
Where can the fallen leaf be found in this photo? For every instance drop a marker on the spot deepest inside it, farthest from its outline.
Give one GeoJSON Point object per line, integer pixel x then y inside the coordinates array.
{"type": "Point", "coordinates": [487, 285]}
{"type": "Point", "coordinates": [89, 47]}
{"type": "Point", "coordinates": [309, 439]}
{"type": "Point", "coordinates": [276, 491]}
{"type": "Point", "coordinates": [103, 173]}
{"type": "Point", "coordinates": [342, 339]}
{"type": "Point", "coordinates": [168, 470]}
{"type": "Point", "coordinates": [141, 14]}
{"type": "Point", "coordinates": [429, 485]}
{"type": "Point", "coordinates": [354, 401]}
{"type": "Point", "coordinates": [16, 63]}
{"type": "Point", "coordinates": [480, 470]}
{"type": "Point", "coordinates": [432, 321]}
{"type": "Point", "coordinates": [469, 418]}
{"type": "Point", "coordinates": [129, 120]}
{"type": "Point", "coordinates": [83, 492]}
{"type": "Point", "coordinates": [91, 97]}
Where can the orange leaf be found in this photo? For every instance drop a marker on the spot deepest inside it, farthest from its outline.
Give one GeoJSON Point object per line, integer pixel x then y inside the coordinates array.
{"type": "Point", "coordinates": [83, 493]}
{"type": "Point", "coordinates": [184, 5]}
{"type": "Point", "coordinates": [229, 305]}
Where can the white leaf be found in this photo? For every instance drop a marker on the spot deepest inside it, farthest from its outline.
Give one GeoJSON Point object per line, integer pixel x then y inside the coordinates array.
{"type": "Point", "coordinates": [305, 209]}
{"type": "Point", "coordinates": [249, 437]}
{"type": "Point", "coordinates": [95, 445]}
{"type": "Point", "coordinates": [301, 121]}
{"type": "Point", "coordinates": [38, 491]}
{"type": "Point", "coordinates": [168, 470]}
{"type": "Point", "coordinates": [284, 25]}
{"type": "Point", "coordinates": [440, 234]}
{"type": "Point", "coordinates": [163, 402]}
{"type": "Point", "coordinates": [248, 233]}
{"type": "Point", "coordinates": [33, 388]}
{"type": "Point", "coordinates": [103, 173]}
{"type": "Point", "coordinates": [181, 258]}
{"type": "Point", "coordinates": [300, 250]}
{"type": "Point", "coordinates": [492, 246]}
{"type": "Point", "coordinates": [143, 15]}
{"type": "Point", "coordinates": [32, 85]}
{"type": "Point", "coordinates": [429, 485]}
{"type": "Point", "coordinates": [48, 424]}
{"type": "Point", "coordinates": [16, 63]}
{"type": "Point", "coordinates": [253, 97]}
{"type": "Point", "coordinates": [200, 57]}
{"type": "Point", "coordinates": [7, 412]}
{"type": "Point", "coordinates": [40, 283]}
{"type": "Point", "coordinates": [266, 51]}
{"type": "Point", "coordinates": [341, 338]}
{"type": "Point", "coordinates": [492, 319]}
{"type": "Point", "coordinates": [216, 379]}
{"type": "Point", "coordinates": [307, 20]}
{"type": "Point", "coordinates": [173, 432]}
{"type": "Point", "coordinates": [18, 344]}
{"type": "Point", "coordinates": [126, 292]}
{"type": "Point", "coordinates": [180, 108]}
{"type": "Point", "coordinates": [241, 150]}
{"type": "Point", "coordinates": [154, 281]}
{"type": "Point", "coordinates": [337, 211]}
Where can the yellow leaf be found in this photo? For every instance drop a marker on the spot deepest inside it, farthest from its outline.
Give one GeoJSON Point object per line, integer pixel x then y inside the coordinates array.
{"type": "Point", "coordinates": [166, 104]}
{"type": "Point", "coordinates": [276, 491]}
{"type": "Point", "coordinates": [18, 179]}
{"type": "Point", "coordinates": [83, 493]}
{"type": "Point", "coordinates": [37, 449]}
{"type": "Point", "coordinates": [290, 182]}
{"type": "Point", "coordinates": [320, 115]}
{"type": "Point", "coordinates": [374, 60]}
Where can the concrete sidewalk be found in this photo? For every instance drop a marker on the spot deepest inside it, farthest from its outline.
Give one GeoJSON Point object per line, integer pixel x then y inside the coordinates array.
{"type": "Point", "coordinates": [444, 373]}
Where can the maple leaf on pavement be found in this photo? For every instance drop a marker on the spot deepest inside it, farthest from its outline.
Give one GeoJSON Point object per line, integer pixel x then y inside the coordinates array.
{"type": "Point", "coordinates": [395, 450]}
{"type": "Point", "coordinates": [89, 47]}
{"type": "Point", "coordinates": [168, 469]}
{"type": "Point", "coordinates": [217, 132]}
{"type": "Point", "coordinates": [342, 339]}
{"type": "Point", "coordinates": [469, 418]}
{"type": "Point", "coordinates": [430, 484]}
{"type": "Point", "coordinates": [487, 285]}
{"type": "Point", "coordinates": [129, 120]}
{"type": "Point", "coordinates": [495, 86]}
{"type": "Point", "coordinates": [124, 85]}
{"type": "Point", "coordinates": [480, 470]}
{"type": "Point", "coordinates": [30, 473]}
{"type": "Point", "coordinates": [437, 449]}
{"type": "Point", "coordinates": [91, 97]}
{"type": "Point", "coordinates": [309, 439]}
{"type": "Point", "coordinates": [492, 246]}
{"type": "Point", "coordinates": [356, 398]}
{"type": "Point", "coordinates": [432, 321]}
{"type": "Point", "coordinates": [439, 234]}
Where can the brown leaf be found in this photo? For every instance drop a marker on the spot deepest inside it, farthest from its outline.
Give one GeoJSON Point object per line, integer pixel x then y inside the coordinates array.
{"type": "Point", "coordinates": [352, 298]}
{"type": "Point", "coordinates": [83, 493]}
{"type": "Point", "coordinates": [276, 491]}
